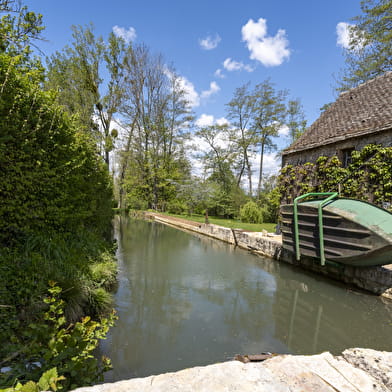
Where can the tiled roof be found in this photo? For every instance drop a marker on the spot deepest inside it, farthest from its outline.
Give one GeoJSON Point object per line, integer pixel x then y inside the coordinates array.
{"type": "Point", "coordinates": [359, 111]}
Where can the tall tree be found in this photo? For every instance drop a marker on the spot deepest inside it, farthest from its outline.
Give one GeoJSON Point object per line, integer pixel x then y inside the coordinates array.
{"type": "Point", "coordinates": [19, 27]}
{"type": "Point", "coordinates": [77, 74]}
{"type": "Point", "coordinates": [159, 113]}
{"type": "Point", "coordinates": [268, 117]}
{"type": "Point", "coordinates": [240, 110]}
{"type": "Point", "coordinates": [296, 121]}
{"type": "Point", "coordinates": [370, 49]}
{"type": "Point", "coordinates": [219, 156]}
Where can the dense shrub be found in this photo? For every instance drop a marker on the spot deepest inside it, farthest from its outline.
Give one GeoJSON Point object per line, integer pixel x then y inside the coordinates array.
{"type": "Point", "coordinates": [251, 213]}
{"type": "Point", "coordinates": [176, 207]}
{"type": "Point", "coordinates": [55, 214]}
{"type": "Point", "coordinates": [50, 176]}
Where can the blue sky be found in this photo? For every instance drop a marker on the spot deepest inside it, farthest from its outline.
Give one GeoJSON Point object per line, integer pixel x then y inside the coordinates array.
{"type": "Point", "coordinates": [295, 43]}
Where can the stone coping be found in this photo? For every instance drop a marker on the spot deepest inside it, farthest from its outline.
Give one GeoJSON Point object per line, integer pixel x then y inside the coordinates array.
{"type": "Point", "coordinates": [356, 370]}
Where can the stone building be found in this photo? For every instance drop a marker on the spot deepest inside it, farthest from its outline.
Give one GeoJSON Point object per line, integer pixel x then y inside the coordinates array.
{"type": "Point", "coordinates": [360, 116]}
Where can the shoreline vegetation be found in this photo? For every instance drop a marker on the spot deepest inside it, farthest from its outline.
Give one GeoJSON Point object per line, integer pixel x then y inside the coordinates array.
{"type": "Point", "coordinates": [57, 255]}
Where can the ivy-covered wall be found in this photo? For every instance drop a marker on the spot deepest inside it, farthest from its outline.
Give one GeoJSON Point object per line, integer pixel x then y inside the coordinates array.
{"type": "Point", "coordinates": [368, 177]}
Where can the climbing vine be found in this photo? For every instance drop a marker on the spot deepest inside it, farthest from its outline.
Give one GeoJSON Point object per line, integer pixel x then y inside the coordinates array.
{"type": "Point", "coordinates": [368, 177]}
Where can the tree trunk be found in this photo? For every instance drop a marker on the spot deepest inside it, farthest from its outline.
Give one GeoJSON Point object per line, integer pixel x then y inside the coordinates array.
{"type": "Point", "coordinates": [249, 169]}
{"type": "Point", "coordinates": [124, 166]}
{"type": "Point", "coordinates": [261, 170]}
{"type": "Point", "coordinates": [240, 174]}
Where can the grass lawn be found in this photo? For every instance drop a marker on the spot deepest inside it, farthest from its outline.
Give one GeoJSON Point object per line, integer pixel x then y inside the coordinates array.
{"type": "Point", "coordinates": [231, 223]}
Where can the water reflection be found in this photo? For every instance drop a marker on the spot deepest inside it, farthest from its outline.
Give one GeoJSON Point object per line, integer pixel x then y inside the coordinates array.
{"type": "Point", "coordinates": [185, 300]}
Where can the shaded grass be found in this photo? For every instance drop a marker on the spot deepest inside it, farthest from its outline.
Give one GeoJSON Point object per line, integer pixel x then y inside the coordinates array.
{"type": "Point", "coordinates": [230, 223]}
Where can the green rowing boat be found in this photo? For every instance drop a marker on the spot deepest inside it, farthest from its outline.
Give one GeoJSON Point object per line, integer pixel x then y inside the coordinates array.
{"type": "Point", "coordinates": [340, 230]}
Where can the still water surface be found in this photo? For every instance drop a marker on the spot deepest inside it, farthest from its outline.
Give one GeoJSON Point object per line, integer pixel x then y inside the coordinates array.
{"type": "Point", "coordinates": [185, 300]}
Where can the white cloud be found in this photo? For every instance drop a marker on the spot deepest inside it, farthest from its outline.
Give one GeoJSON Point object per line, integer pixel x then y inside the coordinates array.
{"type": "Point", "coordinates": [284, 130]}
{"type": "Point", "coordinates": [232, 65]}
{"type": "Point", "coordinates": [270, 51]}
{"type": "Point", "coordinates": [218, 73]}
{"type": "Point", "coordinates": [343, 36]}
{"type": "Point", "coordinates": [271, 165]}
{"type": "Point", "coordinates": [191, 94]}
{"type": "Point", "coordinates": [343, 33]}
{"type": "Point", "coordinates": [205, 120]}
{"type": "Point", "coordinates": [222, 121]}
{"type": "Point", "coordinates": [214, 88]}
{"type": "Point", "coordinates": [127, 35]}
{"type": "Point", "coordinates": [209, 42]}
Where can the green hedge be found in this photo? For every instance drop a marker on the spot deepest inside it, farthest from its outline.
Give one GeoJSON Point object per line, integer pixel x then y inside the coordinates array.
{"type": "Point", "coordinates": [50, 175]}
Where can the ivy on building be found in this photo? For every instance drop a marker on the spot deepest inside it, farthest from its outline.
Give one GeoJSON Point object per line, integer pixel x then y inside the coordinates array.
{"type": "Point", "coordinates": [368, 177]}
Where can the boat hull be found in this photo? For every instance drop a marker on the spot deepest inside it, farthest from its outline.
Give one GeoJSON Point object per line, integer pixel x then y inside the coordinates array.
{"type": "Point", "coordinates": [355, 233]}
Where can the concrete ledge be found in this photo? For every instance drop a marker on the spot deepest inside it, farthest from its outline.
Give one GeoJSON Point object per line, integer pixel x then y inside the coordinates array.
{"type": "Point", "coordinates": [377, 280]}
{"type": "Point", "coordinates": [356, 370]}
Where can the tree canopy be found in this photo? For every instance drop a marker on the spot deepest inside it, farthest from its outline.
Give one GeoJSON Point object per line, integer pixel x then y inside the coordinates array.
{"type": "Point", "coordinates": [370, 48]}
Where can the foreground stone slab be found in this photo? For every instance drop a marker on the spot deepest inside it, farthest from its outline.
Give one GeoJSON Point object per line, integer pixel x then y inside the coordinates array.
{"type": "Point", "coordinates": [365, 371]}
{"type": "Point", "coordinates": [376, 363]}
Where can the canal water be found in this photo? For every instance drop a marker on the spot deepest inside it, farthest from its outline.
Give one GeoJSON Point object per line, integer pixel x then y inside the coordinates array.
{"type": "Point", "coordinates": [185, 300]}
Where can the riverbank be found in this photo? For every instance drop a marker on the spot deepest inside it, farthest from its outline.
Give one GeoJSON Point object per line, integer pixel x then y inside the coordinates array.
{"type": "Point", "coordinates": [376, 280]}
{"type": "Point", "coordinates": [355, 370]}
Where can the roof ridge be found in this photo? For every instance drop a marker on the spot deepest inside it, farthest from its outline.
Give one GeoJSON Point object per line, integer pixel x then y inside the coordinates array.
{"type": "Point", "coordinates": [367, 107]}
{"type": "Point", "coordinates": [365, 83]}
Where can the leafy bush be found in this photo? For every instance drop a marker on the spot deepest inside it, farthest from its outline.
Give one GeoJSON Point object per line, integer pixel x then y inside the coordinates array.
{"type": "Point", "coordinates": [176, 207]}
{"type": "Point", "coordinates": [55, 213]}
{"type": "Point", "coordinates": [55, 344]}
{"type": "Point", "coordinates": [50, 174]}
{"type": "Point", "coordinates": [251, 213]}
{"type": "Point", "coordinates": [104, 272]}
{"type": "Point", "coordinates": [48, 381]}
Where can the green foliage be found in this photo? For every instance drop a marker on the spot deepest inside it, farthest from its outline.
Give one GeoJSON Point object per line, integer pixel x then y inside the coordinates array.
{"type": "Point", "coordinates": [251, 213]}
{"type": "Point", "coordinates": [48, 381]}
{"type": "Point", "coordinates": [368, 177]}
{"type": "Point", "coordinates": [222, 203]}
{"type": "Point", "coordinates": [270, 202]}
{"type": "Point", "coordinates": [82, 265]}
{"type": "Point", "coordinates": [370, 50]}
{"type": "Point", "coordinates": [77, 75]}
{"type": "Point", "coordinates": [50, 174]}
{"type": "Point", "coordinates": [295, 119]}
{"type": "Point", "coordinates": [269, 116]}
{"type": "Point", "coordinates": [56, 210]}
{"type": "Point", "coordinates": [104, 271]}
{"type": "Point", "coordinates": [294, 181]}
{"type": "Point", "coordinates": [177, 207]}
{"type": "Point", "coordinates": [64, 352]}
{"type": "Point", "coordinates": [19, 27]}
